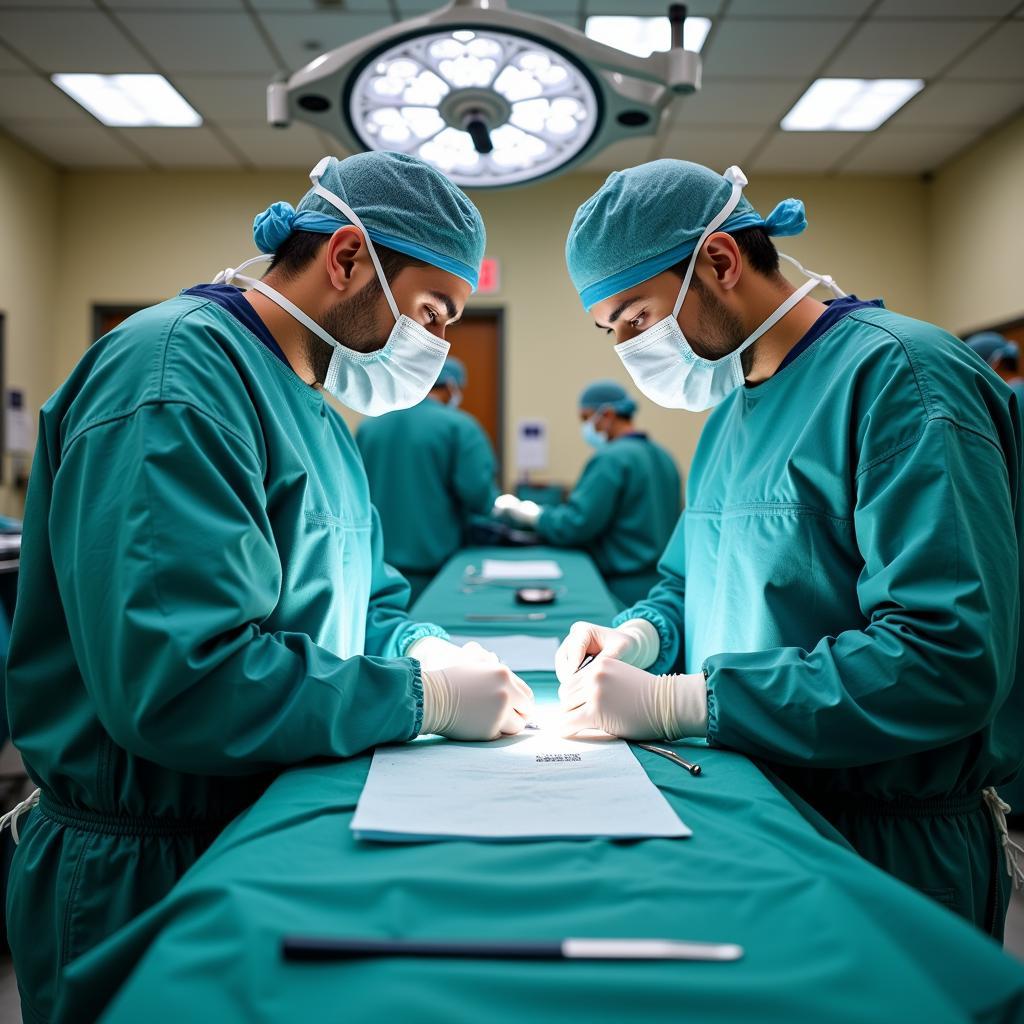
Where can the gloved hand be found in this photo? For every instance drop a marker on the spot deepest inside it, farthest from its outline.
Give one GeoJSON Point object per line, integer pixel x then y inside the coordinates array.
{"type": "Point", "coordinates": [476, 701]}
{"type": "Point", "coordinates": [522, 513]}
{"type": "Point", "coordinates": [635, 642]}
{"type": "Point", "coordinates": [434, 652]}
{"type": "Point", "coordinates": [628, 702]}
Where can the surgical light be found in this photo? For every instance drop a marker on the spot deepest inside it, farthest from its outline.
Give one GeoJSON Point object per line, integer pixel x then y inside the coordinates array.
{"type": "Point", "coordinates": [849, 104]}
{"type": "Point", "coordinates": [130, 101]}
{"type": "Point", "coordinates": [644, 36]}
{"type": "Point", "coordinates": [490, 96]}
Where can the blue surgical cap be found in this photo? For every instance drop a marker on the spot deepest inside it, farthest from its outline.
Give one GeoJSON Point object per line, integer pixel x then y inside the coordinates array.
{"type": "Point", "coordinates": [993, 347]}
{"type": "Point", "coordinates": [404, 203]}
{"type": "Point", "coordinates": [453, 372]}
{"type": "Point", "coordinates": [607, 394]}
{"type": "Point", "coordinates": [646, 219]}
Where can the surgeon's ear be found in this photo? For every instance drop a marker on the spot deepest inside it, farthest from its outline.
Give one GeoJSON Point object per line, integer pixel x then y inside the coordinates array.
{"type": "Point", "coordinates": [343, 247]}
{"type": "Point", "coordinates": [724, 259]}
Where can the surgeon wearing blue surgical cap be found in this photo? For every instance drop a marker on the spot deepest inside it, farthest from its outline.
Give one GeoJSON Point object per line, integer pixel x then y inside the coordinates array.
{"type": "Point", "coordinates": [204, 600]}
{"type": "Point", "coordinates": [841, 598]}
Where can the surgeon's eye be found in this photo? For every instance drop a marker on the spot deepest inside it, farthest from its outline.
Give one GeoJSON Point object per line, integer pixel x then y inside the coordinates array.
{"type": "Point", "coordinates": [431, 315]}
{"type": "Point", "coordinates": [638, 319]}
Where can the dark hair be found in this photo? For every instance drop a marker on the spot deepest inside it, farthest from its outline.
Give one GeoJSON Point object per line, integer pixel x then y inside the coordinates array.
{"type": "Point", "coordinates": [757, 248]}
{"type": "Point", "coordinates": [300, 248]}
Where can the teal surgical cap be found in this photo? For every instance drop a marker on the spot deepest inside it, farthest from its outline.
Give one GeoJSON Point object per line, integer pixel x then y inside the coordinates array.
{"type": "Point", "coordinates": [646, 219]}
{"type": "Point", "coordinates": [607, 394]}
{"type": "Point", "coordinates": [453, 372]}
{"type": "Point", "coordinates": [993, 347]}
{"type": "Point", "coordinates": [404, 203]}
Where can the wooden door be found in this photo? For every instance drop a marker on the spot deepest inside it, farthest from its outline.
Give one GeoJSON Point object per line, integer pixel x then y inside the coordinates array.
{"type": "Point", "coordinates": [477, 339]}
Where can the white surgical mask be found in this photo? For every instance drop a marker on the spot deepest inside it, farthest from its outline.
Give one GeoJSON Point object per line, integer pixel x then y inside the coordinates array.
{"type": "Point", "coordinates": [662, 363]}
{"type": "Point", "coordinates": [594, 437]}
{"type": "Point", "coordinates": [397, 376]}
{"type": "Point", "coordinates": [454, 398]}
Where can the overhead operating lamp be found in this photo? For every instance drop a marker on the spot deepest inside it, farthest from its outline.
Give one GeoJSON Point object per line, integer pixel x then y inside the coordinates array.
{"type": "Point", "coordinates": [489, 96]}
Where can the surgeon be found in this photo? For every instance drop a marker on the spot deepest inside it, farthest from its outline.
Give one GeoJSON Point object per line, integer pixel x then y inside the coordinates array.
{"type": "Point", "coordinates": [1003, 356]}
{"type": "Point", "coordinates": [203, 598]}
{"type": "Point", "coordinates": [625, 505]}
{"type": "Point", "coordinates": [841, 599]}
{"type": "Point", "coordinates": [431, 468]}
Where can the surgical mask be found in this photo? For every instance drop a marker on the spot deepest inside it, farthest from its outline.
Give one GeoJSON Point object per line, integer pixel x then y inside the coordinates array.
{"type": "Point", "coordinates": [594, 437]}
{"type": "Point", "coordinates": [455, 398]}
{"type": "Point", "coordinates": [661, 361]}
{"type": "Point", "coordinates": [397, 376]}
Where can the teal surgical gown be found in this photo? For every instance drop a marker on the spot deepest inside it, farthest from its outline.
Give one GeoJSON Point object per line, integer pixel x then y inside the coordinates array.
{"type": "Point", "coordinates": [430, 469]}
{"type": "Point", "coordinates": [622, 512]}
{"type": "Point", "coordinates": [203, 601]}
{"type": "Point", "coordinates": [848, 575]}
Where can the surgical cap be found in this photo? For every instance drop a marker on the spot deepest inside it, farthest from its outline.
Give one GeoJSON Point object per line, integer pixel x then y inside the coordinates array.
{"type": "Point", "coordinates": [453, 372]}
{"type": "Point", "coordinates": [646, 219]}
{"type": "Point", "coordinates": [993, 347]}
{"type": "Point", "coordinates": [404, 203]}
{"type": "Point", "coordinates": [607, 394]}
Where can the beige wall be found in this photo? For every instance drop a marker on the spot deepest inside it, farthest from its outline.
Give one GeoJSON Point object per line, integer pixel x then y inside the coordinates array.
{"type": "Point", "coordinates": [29, 285]}
{"type": "Point", "coordinates": [977, 234]}
{"type": "Point", "coordinates": [136, 237]}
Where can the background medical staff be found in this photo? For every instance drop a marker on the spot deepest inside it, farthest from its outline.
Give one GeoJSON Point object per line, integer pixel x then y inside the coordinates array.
{"type": "Point", "coordinates": [842, 598]}
{"type": "Point", "coordinates": [1003, 356]}
{"type": "Point", "coordinates": [625, 504]}
{"type": "Point", "coordinates": [430, 469]}
{"type": "Point", "coordinates": [204, 599]}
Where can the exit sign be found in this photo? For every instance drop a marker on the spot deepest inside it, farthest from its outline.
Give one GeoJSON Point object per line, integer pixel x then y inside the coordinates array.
{"type": "Point", "coordinates": [490, 276]}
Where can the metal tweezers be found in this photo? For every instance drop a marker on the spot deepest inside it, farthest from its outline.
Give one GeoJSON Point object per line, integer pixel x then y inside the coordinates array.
{"type": "Point", "coordinates": [693, 769]}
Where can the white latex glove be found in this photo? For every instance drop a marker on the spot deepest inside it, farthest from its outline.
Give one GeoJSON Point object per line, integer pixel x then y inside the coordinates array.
{"type": "Point", "coordinates": [434, 652]}
{"type": "Point", "coordinates": [476, 701]}
{"type": "Point", "coordinates": [626, 701]}
{"type": "Point", "coordinates": [635, 642]}
{"type": "Point", "coordinates": [522, 513]}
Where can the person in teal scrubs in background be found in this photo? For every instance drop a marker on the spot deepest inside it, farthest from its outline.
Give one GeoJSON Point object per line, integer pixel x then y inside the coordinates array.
{"type": "Point", "coordinates": [203, 597]}
{"type": "Point", "coordinates": [430, 469]}
{"type": "Point", "coordinates": [1003, 356]}
{"type": "Point", "coordinates": [842, 597]}
{"type": "Point", "coordinates": [625, 504]}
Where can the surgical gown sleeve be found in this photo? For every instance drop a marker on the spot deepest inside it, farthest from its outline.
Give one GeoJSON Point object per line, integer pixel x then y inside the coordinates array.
{"type": "Point", "coordinates": [474, 470]}
{"type": "Point", "coordinates": [389, 632]}
{"type": "Point", "coordinates": [664, 606]}
{"type": "Point", "coordinates": [590, 508]}
{"type": "Point", "coordinates": [166, 583]}
{"type": "Point", "coordinates": [939, 595]}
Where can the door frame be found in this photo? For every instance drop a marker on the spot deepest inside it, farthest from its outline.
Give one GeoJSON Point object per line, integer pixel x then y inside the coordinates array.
{"type": "Point", "coordinates": [498, 313]}
{"type": "Point", "coordinates": [102, 310]}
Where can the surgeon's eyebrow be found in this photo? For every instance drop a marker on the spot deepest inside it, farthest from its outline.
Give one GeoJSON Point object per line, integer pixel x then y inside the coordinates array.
{"type": "Point", "coordinates": [449, 305]}
{"type": "Point", "coordinates": [618, 311]}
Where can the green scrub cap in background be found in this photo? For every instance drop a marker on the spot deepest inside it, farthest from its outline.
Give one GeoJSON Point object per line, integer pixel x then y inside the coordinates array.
{"type": "Point", "coordinates": [453, 372]}
{"type": "Point", "coordinates": [607, 394]}
{"type": "Point", "coordinates": [993, 347]}
{"type": "Point", "coordinates": [405, 204]}
{"type": "Point", "coordinates": [644, 220]}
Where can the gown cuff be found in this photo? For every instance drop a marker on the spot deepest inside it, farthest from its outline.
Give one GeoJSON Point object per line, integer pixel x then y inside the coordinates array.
{"type": "Point", "coordinates": [416, 631]}
{"type": "Point", "coordinates": [668, 635]}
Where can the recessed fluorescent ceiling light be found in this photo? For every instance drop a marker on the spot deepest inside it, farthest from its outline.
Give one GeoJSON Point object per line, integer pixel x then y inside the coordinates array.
{"type": "Point", "coordinates": [130, 101]}
{"type": "Point", "coordinates": [849, 104]}
{"type": "Point", "coordinates": [644, 36]}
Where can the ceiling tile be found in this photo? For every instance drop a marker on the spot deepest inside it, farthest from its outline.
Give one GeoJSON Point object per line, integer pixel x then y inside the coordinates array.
{"type": "Point", "coordinates": [805, 152]}
{"type": "Point", "coordinates": [800, 8]}
{"type": "Point", "coordinates": [753, 48]}
{"type": "Point", "coordinates": [9, 61]}
{"type": "Point", "coordinates": [949, 104]}
{"type": "Point", "coordinates": [904, 49]}
{"type": "Point", "coordinates": [226, 99]}
{"type": "Point", "coordinates": [181, 147]}
{"type": "Point", "coordinates": [997, 57]}
{"type": "Point", "coordinates": [302, 37]}
{"type": "Point", "coordinates": [893, 152]}
{"type": "Point", "coordinates": [943, 8]}
{"type": "Point", "coordinates": [78, 143]}
{"type": "Point", "coordinates": [730, 102]}
{"type": "Point", "coordinates": [31, 96]}
{"type": "Point", "coordinates": [49, 3]}
{"type": "Point", "coordinates": [618, 155]}
{"type": "Point", "coordinates": [170, 6]}
{"type": "Point", "coordinates": [223, 43]}
{"type": "Point", "coordinates": [71, 41]}
{"type": "Point", "coordinates": [298, 146]}
{"type": "Point", "coordinates": [716, 149]}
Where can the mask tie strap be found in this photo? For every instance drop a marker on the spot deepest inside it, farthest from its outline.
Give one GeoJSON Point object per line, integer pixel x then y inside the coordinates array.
{"type": "Point", "coordinates": [738, 180]}
{"type": "Point", "coordinates": [228, 274]}
{"type": "Point", "coordinates": [825, 279]}
{"type": "Point", "coordinates": [314, 177]}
